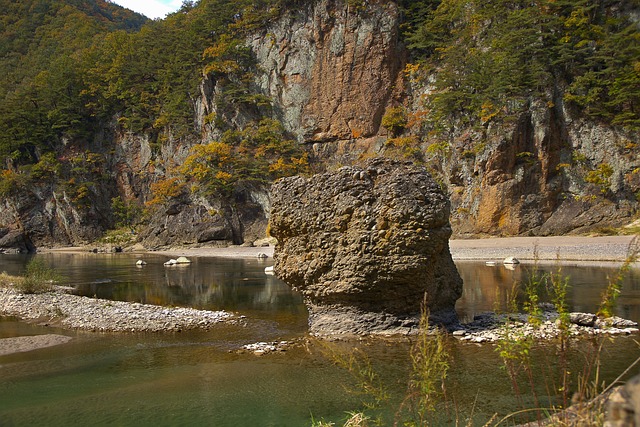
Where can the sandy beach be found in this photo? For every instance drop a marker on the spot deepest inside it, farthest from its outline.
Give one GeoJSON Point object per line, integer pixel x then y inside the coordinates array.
{"type": "Point", "coordinates": [565, 248]}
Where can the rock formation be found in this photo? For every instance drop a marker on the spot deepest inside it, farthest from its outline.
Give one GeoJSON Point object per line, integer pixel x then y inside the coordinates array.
{"type": "Point", "coordinates": [365, 246]}
{"type": "Point", "coordinates": [624, 405]}
{"type": "Point", "coordinates": [332, 71]}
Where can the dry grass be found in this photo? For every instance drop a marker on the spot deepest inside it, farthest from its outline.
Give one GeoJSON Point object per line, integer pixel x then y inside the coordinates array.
{"type": "Point", "coordinates": [6, 280]}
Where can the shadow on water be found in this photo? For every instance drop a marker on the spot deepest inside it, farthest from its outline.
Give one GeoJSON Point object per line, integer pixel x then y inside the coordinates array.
{"type": "Point", "coordinates": [195, 378]}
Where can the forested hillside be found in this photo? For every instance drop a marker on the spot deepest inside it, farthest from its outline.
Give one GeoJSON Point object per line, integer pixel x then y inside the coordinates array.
{"type": "Point", "coordinates": [492, 57]}
{"type": "Point", "coordinates": [109, 119]}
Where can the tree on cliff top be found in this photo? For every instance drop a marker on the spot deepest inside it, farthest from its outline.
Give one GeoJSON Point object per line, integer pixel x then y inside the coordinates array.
{"type": "Point", "coordinates": [492, 56]}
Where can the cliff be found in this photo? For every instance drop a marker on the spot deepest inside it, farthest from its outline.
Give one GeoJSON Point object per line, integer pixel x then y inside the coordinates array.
{"type": "Point", "coordinates": [334, 74]}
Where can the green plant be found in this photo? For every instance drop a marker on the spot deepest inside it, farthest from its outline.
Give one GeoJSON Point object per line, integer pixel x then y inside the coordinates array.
{"type": "Point", "coordinates": [395, 120]}
{"type": "Point", "coordinates": [38, 278]}
{"type": "Point", "coordinates": [430, 359]}
{"type": "Point", "coordinates": [601, 177]}
{"type": "Point", "coordinates": [11, 182]}
{"type": "Point", "coordinates": [430, 364]}
{"type": "Point", "coordinates": [403, 147]}
{"type": "Point", "coordinates": [614, 286]}
{"type": "Point", "coordinates": [368, 383]}
{"type": "Point", "coordinates": [122, 236]}
{"type": "Point", "coordinates": [7, 280]}
{"type": "Point", "coordinates": [126, 212]}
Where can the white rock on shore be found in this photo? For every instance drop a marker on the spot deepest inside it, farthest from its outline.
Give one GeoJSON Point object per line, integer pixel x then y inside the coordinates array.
{"type": "Point", "coordinates": [76, 312]}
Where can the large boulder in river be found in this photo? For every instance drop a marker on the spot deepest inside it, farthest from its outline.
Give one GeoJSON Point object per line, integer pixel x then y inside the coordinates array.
{"type": "Point", "coordinates": [366, 246]}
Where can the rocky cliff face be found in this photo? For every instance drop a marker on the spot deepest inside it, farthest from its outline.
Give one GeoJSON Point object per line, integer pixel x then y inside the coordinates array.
{"type": "Point", "coordinates": [366, 242]}
{"type": "Point", "coordinates": [331, 71]}
{"type": "Point", "coordinates": [547, 174]}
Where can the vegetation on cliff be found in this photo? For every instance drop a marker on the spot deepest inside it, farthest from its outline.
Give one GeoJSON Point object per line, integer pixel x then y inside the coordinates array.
{"type": "Point", "coordinates": [76, 69]}
{"type": "Point", "coordinates": [491, 57]}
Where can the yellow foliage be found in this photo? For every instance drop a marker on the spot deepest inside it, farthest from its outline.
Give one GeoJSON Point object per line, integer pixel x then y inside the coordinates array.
{"type": "Point", "coordinates": [223, 176]}
{"type": "Point", "coordinates": [488, 111]}
{"type": "Point", "coordinates": [165, 189]}
{"type": "Point", "coordinates": [411, 69]}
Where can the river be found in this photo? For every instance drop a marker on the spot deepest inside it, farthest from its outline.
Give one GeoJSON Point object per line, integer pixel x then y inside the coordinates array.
{"type": "Point", "coordinates": [198, 377]}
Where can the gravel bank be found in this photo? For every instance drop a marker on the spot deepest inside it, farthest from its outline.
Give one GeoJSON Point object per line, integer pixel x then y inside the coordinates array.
{"type": "Point", "coordinates": [492, 327]}
{"type": "Point", "coordinates": [565, 248]}
{"type": "Point", "coordinates": [76, 312]}
{"type": "Point", "coordinates": [28, 343]}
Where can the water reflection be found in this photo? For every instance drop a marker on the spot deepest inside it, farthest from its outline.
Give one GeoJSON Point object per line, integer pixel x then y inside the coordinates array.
{"type": "Point", "coordinates": [241, 285]}
{"type": "Point", "coordinates": [192, 378]}
{"type": "Point", "coordinates": [486, 287]}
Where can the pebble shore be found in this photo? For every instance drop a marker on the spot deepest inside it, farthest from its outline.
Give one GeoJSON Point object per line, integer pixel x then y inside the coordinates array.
{"type": "Point", "coordinates": [492, 327]}
{"type": "Point", "coordinates": [91, 314]}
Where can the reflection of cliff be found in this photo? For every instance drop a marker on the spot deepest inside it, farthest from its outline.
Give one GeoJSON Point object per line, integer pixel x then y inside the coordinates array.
{"type": "Point", "coordinates": [486, 287]}
{"type": "Point", "coordinates": [228, 284]}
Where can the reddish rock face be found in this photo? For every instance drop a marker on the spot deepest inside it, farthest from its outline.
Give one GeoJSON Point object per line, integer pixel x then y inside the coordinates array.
{"type": "Point", "coordinates": [368, 241]}
{"type": "Point", "coordinates": [333, 70]}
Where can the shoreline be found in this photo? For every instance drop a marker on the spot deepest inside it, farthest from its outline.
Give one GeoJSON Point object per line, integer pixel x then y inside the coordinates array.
{"type": "Point", "coordinates": [578, 249]}
{"type": "Point", "coordinates": [553, 248]}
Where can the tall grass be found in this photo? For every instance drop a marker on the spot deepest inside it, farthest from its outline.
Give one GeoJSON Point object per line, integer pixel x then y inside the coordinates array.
{"type": "Point", "coordinates": [38, 278]}
{"type": "Point", "coordinates": [614, 287]}
{"type": "Point", "coordinates": [572, 397]}
{"type": "Point", "coordinates": [574, 389]}
{"type": "Point", "coordinates": [430, 358]}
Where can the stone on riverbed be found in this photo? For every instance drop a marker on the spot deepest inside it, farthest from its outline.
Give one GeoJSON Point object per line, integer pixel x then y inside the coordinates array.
{"type": "Point", "coordinates": [364, 245]}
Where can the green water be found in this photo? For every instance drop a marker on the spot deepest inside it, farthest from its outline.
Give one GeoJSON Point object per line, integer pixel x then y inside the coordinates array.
{"type": "Point", "coordinates": [197, 378]}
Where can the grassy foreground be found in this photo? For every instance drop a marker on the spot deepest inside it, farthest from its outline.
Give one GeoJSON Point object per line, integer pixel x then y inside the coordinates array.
{"type": "Point", "coordinates": [569, 397]}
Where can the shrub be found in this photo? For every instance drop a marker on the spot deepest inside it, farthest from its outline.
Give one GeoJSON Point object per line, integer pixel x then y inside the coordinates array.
{"type": "Point", "coordinates": [395, 120]}
{"type": "Point", "coordinates": [39, 278]}
{"type": "Point", "coordinates": [126, 212]}
{"type": "Point", "coordinates": [10, 182]}
{"type": "Point", "coordinates": [601, 177]}
{"type": "Point", "coordinates": [165, 189]}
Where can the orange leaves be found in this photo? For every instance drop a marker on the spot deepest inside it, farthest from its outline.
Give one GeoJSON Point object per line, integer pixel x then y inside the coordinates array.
{"type": "Point", "coordinates": [166, 189]}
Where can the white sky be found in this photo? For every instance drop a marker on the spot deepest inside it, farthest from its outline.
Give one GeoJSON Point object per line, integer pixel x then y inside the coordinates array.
{"type": "Point", "coordinates": [151, 8]}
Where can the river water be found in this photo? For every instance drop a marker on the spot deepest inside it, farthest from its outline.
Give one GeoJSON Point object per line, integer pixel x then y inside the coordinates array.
{"type": "Point", "coordinates": [198, 377]}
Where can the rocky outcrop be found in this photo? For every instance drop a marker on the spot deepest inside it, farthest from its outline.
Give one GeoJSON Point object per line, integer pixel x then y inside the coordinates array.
{"type": "Point", "coordinates": [549, 173]}
{"type": "Point", "coordinates": [42, 215]}
{"type": "Point", "coordinates": [624, 405]}
{"type": "Point", "coordinates": [366, 246]}
{"type": "Point", "coordinates": [332, 69]}
{"type": "Point", "coordinates": [216, 222]}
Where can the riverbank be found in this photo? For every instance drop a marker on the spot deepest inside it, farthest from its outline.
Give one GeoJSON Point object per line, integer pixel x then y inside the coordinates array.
{"type": "Point", "coordinates": [552, 248]}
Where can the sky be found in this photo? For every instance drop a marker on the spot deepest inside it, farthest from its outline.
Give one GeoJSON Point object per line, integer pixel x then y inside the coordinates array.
{"type": "Point", "coordinates": [151, 8]}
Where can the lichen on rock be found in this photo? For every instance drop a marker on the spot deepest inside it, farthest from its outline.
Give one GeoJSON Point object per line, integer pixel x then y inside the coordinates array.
{"type": "Point", "coordinates": [366, 246]}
